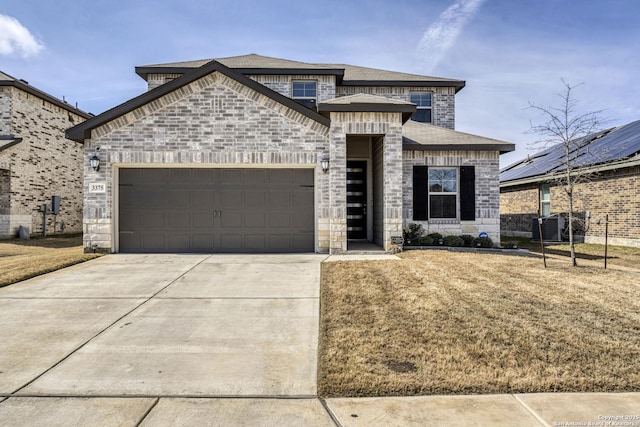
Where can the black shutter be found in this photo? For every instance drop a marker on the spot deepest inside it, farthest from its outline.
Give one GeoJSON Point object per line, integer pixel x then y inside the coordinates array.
{"type": "Point", "coordinates": [420, 193]}
{"type": "Point", "coordinates": [467, 193]}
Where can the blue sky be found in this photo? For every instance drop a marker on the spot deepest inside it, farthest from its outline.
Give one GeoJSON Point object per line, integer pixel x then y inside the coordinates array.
{"type": "Point", "coordinates": [510, 52]}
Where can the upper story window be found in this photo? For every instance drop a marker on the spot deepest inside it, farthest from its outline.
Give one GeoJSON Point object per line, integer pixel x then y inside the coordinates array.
{"type": "Point", "coordinates": [305, 92]}
{"type": "Point", "coordinates": [423, 101]}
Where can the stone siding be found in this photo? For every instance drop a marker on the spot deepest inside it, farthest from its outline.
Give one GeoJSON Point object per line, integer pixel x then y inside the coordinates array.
{"type": "Point", "coordinates": [44, 164]}
{"type": "Point", "coordinates": [212, 122]}
{"type": "Point", "coordinates": [443, 100]}
{"type": "Point", "coordinates": [389, 126]}
{"type": "Point", "coordinates": [613, 193]}
{"type": "Point", "coordinates": [486, 188]}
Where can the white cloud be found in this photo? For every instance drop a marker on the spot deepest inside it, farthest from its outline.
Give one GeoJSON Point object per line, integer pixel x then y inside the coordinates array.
{"type": "Point", "coordinates": [16, 39]}
{"type": "Point", "coordinates": [442, 34]}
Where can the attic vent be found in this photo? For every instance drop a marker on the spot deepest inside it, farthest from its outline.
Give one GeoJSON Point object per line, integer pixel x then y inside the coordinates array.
{"type": "Point", "coordinates": [24, 81]}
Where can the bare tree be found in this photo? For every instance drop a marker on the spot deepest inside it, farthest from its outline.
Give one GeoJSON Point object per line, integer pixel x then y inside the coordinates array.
{"type": "Point", "coordinates": [569, 128]}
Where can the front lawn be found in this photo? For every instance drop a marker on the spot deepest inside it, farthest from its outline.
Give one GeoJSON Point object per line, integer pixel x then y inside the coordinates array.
{"type": "Point", "coordinates": [438, 322]}
{"type": "Point", "coordinates": [23, 259]}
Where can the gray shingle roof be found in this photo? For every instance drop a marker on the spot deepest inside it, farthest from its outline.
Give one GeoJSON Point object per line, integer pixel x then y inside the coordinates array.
{"type": "Point", "coordinates": [611, 145]}
{"type": "Point", "coordinates": [421, 136]}
{"type": "Point", "coordinates": [351, 74]}
{"type": "Point", "coordinates": [363, 98]}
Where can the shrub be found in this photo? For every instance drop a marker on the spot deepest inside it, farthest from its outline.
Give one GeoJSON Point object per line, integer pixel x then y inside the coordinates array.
{"type": "Point", "coordinates": [482, 242]}
{"type": "Point", "coordinates": [468, 239]}
{"type": "Point", "coordinates": [413, 234]}
{"type": "Point", "coordinates": [453, 241]}
{"type": "Point", "coordinates": [510, 245]}
{"type": "Point", "coordinates": [426, 241]}
{"type": "Point", "coordinates": [436, 237]}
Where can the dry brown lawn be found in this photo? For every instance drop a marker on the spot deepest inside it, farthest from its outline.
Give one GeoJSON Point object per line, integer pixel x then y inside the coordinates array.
{"type": "Point", "coordinates": [23, 259]}
{"type": "Point", "coordinates": [438, 322]}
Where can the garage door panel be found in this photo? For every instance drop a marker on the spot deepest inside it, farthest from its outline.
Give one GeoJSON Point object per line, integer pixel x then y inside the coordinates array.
{"type": "Point", "coordinates": [279, 220]}
{"type": "Point", "coordinates": [179, 242]}
{"type": "Point", "coordinates": [231, 219]}
{"type": "Point", "coordinates": [255, 220]}
{"type": "Point", "coordinates": [153, 242]}
{"type": "Point", "coordinates": [230, 242]}
{"type": "Point", "coordinates": [202, 241]}
{"type": "Point", "coordinates": [255, 242]}
{"type": "Point", "coordinates": [202, 200]}
{"type": "Point", "coordinates": [216, 210]}
{"type": "Point", "coordinates": [280, 199]}
{"type": "Point", "coordinates": [202, 220]}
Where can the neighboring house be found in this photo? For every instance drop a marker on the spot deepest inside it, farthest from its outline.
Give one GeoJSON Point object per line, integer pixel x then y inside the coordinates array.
{"type": "Point", "coordinates": [259, 154]}
{"type": "Point", "coordinates": [610, 158]}
{"type": "Point", "coordinates": [36, 160]}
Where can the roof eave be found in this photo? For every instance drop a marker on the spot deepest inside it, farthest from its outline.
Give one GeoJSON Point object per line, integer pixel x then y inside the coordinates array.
{"type": "Point", "coordinates": [411, 146]}
{"type": "Point", "coordinates": [546, 177]}
{"type": "Point", "coordinates": [457, 84]}
{"type": "Point", "coordinates": [407, 110]}
{"type": "Point", "coordinates": [83, 130]}
{"type": "Point", "coordinates": [144, 71]}
{"type": "Point", "coordinates": [43, 95]}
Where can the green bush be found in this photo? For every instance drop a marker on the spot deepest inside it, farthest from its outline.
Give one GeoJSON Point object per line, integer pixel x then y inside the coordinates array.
{"type": "Point", "coordinates": [453, 241]}
{"type": "Point", "coordinates": [413, 234]}
{"type": "Point", "coordinates": [426, 241]}
{"type": "Point", "coordinates": [436, 237]}
{"type": "Point", "coordinates": [510, 245]}
{"type": "Point", "coordinates": [482, 242]}
{"type": "Point", "coordinates": [468, 239]}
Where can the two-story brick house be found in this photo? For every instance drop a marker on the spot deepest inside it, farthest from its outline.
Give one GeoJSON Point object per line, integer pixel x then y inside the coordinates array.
{"type": "Point", "coordinates": [260, 154]}
{"type": "Point", "coordinates": [36, 160]}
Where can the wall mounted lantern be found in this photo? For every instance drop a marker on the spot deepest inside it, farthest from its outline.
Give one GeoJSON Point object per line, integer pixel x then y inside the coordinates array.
{"type": "Point", "coordinates": [324, 164]}
{"type": "Point", "coordinates": [95, 163]}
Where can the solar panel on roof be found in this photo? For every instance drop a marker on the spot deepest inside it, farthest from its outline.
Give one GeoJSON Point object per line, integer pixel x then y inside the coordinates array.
{"type": "Point", "coordinates": [602, 147]}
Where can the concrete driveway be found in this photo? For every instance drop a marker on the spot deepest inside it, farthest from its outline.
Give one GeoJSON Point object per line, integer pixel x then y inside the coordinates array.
{"type": "Point", "coordinates": [127, 338]}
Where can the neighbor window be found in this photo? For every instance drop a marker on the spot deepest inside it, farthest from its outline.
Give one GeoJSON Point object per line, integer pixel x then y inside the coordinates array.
{"type": "Point", "coordinates": [545, 200]}
{"type": "Point", "coordinates": [423, 103]}
{"type": "Point", "coordinates": [305, 92]}
{"type": "Point", "coordinates": [443, 192]}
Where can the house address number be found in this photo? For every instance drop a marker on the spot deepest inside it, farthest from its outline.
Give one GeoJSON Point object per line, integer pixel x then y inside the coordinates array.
{"type": "Point", "coordinates": [97, 187]}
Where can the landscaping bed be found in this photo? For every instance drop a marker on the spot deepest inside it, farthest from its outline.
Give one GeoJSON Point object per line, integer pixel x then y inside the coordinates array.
{"type": "Point", "coordinates": [441, 322]}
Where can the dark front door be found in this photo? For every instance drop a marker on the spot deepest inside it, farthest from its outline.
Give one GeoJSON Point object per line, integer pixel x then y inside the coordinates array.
{"type": "Point", "coordinates": [356, 199]}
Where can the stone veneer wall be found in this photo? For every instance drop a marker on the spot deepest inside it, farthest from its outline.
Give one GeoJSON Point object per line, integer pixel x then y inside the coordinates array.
{"type": "Point", "coordinates": [44, 164]}
{"type": "Point", "coordinates": [613, 193]}
{"type": "Point", "coordinates": [388, 125]}
{"type": "Point", "coordinates": [212, 122]}
{"type": "Point", "coordinates": [444, 99]}
{"type": "Point", "coordinates": [487, 191]}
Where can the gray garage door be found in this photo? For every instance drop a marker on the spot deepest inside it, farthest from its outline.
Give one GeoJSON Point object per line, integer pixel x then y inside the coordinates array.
{"type": "Point", "coordinates": [216, 210]}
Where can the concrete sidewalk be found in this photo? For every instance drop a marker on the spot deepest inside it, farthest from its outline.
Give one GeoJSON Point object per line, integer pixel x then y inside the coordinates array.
{"type": "Point", "coordinates": [128, 340]}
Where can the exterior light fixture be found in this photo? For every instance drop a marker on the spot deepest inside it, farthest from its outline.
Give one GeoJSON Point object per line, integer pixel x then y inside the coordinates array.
{"type": "Point", "coordinates": [324, 164]}
{"type": "Point", "coordinates": [95, 163]}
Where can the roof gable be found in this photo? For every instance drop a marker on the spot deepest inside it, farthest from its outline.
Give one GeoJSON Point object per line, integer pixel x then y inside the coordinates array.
{"type": "Point", "coordinates": [83, 130]}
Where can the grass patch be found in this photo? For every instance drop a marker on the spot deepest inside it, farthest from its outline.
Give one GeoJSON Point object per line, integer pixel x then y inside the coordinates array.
{"type": "Point", "coordinates": [23, 259]}
{"type": "Point", "coordinates": [439, 322]}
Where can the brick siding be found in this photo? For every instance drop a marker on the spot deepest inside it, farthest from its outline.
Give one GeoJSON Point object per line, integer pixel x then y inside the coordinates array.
{"type": "Point", "coordinates": [44, 164]}
{"type": "Point", "coordinates": [486, 189]}
{"type": "Point", "coordinates": [613, 192]}
{"type": "Point", "coordinates": [213, 121]}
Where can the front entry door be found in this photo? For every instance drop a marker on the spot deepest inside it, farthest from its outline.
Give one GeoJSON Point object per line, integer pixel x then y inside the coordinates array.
{"type": "Point", "coordinates": [356, 199]}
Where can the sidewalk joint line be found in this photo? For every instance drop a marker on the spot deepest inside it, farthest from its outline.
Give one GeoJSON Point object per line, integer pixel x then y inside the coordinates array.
{"type": "Point", "coordinates": [37, 377]}
{"type": "Point", "coordinates": [331, 414]}
{"type": "Point", "coordinates": [531, 411]}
